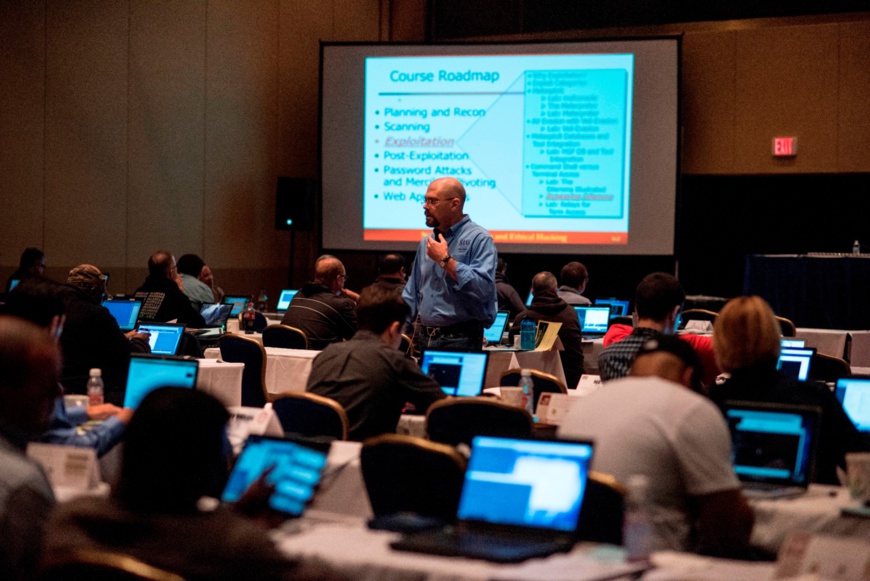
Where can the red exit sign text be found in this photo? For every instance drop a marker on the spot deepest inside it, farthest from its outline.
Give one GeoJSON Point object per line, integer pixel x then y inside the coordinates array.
{"type": "Point", "coordinates": [784, 146]}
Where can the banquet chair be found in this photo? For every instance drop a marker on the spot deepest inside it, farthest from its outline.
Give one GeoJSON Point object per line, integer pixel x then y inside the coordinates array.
{"type": "Point", "coordinates": [697, 315]}
{"type": "Point", "coordinates": [786, 327]}
{"type": "Point", "coordinates": [602, 511]}
{"type": "Point", "coordinates": [408, 474]}
{"type": "Point", "coordinates": [309, 414]}
{"type": "Point", "coordinates": [240, 349]}
{"type": "Point", "coordinates": [458, 420]}
{"type": "Point", "coordinates": [95, 565]}
{"type": "Point", "coordinates": [284, 336]}
{"type": "Point", "coordinates": [828, 368]}
{"type": "Point", "coordinates": [544, 382]}
{"type": "Point", "coordinates": [622, 320]}
{"type": "Point", "coordinates": [405, 345]}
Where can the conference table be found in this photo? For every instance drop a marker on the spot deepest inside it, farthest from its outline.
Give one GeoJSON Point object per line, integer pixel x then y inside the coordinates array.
{"type": "Point", "coordinates": [221, 379]}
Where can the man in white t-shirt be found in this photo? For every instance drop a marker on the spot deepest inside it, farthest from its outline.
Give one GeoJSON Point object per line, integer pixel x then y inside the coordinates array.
{"type": "Point", "coordinates": [652, 423]}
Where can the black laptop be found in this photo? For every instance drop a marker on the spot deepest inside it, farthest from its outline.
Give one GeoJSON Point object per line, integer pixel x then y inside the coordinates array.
{"type": "Point", "coordinates": [854, 394]}
{"type": "Point", "coordinates": [125, 311]}
{"type": "Point", "coordinates": [458, 373]}
{"type": "Point", "coordinates": [594, 320]}
{"type": "Point", "coordinates": [148, 372]}
{"type": "Point", "coordinates": [521, 499]}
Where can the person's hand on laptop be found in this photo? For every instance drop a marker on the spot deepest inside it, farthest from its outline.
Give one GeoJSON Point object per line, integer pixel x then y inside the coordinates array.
{"type": "Point", "coordinates": [254, 503]}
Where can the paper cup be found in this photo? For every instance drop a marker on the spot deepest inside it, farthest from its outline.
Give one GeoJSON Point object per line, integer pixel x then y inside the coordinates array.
{"type": "Point", "coordinates": [71, 401]}
{"type": "Point", "coordinates": [518, 343]}
{"type": "Point", "coordinates": [512, 396]}
{"type": "Point", "coordinates": [858, 472]}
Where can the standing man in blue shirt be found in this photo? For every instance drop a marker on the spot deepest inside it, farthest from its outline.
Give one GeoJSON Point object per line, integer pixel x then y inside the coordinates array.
{"type": "Point", "coordinates": [451, 289]}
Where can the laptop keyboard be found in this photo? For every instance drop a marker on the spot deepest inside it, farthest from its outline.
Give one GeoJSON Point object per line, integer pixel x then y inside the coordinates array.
{"type": "Point", "coordinates": [490, 547]}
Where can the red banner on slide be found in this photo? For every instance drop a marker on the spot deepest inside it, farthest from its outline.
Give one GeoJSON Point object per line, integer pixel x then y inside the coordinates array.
{"type": "Point", "coordinates": [508, 237]}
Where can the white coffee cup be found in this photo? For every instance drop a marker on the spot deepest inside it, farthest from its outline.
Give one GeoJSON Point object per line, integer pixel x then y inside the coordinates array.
{"type": "Point", "coordinates": [858, 475]}
{"type": "Point", "coordinates": [518, 341]}
{"type": "Point", "coordinates": [71, 401]}
{"type": "Point", "coordinates": [512, 396]}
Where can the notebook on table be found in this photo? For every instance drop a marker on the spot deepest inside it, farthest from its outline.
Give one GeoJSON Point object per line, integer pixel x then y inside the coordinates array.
{"type": "Point", "coordinates": [618, 307]}
{"type": "Point", "coordinates": [494, 332]}
{"type": "Point", "coordinates": [298, 466]}
{"type": "Point", "coordinates": [594, 320]}
{"type": "Point", "coordinates": [148, 372]}
{"type": "Point", "coordinates": [794, 362]}
{"type": "Point", "coordinates": [284, 300]}
{"type": "Point", "coordinates": [521, 499]}
{"type": "Point", "coordinates": [773, 447]}
{"type": "Point", "coordinates": [457, 372]}
{"type": "Point", "coordinates": [239, 303]}
{"type": "Point", "coordinates": [164, 339]}
{"type": "Point", "coordinates": [125, 311]}
{"type": "Point", "coordinates": [853, 392]}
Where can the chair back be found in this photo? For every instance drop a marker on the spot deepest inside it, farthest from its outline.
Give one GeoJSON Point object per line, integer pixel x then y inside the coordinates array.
{"type": "Point", "coordinates": [284, 336]}
{"type": "Point", "coordinates": [458, 420]}
{"type": "Point", "coordinates": [602, 511]}
{"type": "Point", "coordinates": [621, 320]}
{"type": "Point", "coordinates": [698, 315]}
{"type": "Point", "coordinates": [309, 414]}
{"type": "Point", "coordinates": [828, 368]}
{"type": "Point", "coordinates": [405, 345]}
{"type": "Point", "coordinates": [97, 565]}
{"type": "Point", "coordinates": [786, 327]}
{"type": "Point", "coordinates": [240, 349]}
{"type": "Point", "coordinates": [408, 474]}
{"type": "Point", "coordinates": [544, 382]}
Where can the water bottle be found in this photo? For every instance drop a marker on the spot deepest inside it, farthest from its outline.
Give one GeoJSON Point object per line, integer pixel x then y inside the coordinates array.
{"type": "Point", "coordinates": [249, 318]}
{"type": "Point", "coordinates": [856, 247]}
{"type": "Point", "coordinates": [95, 387]}
{"type": "Point", "coordinates": [262, 301]}
{"type": "Point", "coordinates": [637, 526]}
{"type": "Point", "coordinates": [528, 386]}
{"type": "Point", "coordinates": [527, 335]}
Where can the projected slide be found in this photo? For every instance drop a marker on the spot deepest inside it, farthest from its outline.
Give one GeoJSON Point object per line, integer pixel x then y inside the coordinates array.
{"type": "Point", "coordinates": [542, 142]}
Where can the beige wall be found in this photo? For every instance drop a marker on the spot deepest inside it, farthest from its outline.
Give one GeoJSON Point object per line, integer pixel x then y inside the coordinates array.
{"type": "Point", "coordinates": [132, 125]}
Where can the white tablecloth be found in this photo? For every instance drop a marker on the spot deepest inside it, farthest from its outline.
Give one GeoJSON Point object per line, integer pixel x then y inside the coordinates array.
{"type": "Point", "coordinates": [500, 361]}
{"type": "Point", "coordinates": [286, 369]}
{"type": "Point", "coordinates": [222, 380]}
{"type": "Point", "coordinates": [342, 490]}
{"type": "Point", "coordinates": [828, 341]}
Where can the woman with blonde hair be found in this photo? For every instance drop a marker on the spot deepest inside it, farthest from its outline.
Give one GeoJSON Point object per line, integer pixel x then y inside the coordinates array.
{"type": "Point", "coordinates": [746, 339]}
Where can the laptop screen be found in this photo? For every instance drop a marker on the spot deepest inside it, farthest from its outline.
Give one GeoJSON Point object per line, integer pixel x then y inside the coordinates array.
{"type": "Point", "coordinates": [285, 298]}
{"type": "Point", "coordinates": [530, 298]}
{"type": "Point", "coordinates": [854, 395]}
{"type": "Point", "coordinates": [533, 483]}
{"type": "Point", "coordinates": [165, 337]}
{"type": "Point", "coordinates": [792, 343]}
{"type": "Point", "coordinates": [295, 476]}
{"type": "Point", "coordinates": [773, 443]}
{"type": "Point", "coordinates": [125, 311]}
{"type": "Point", "coordinates": [147, 373]}
{"type": "Point", "coordinates": [215, 315]}
{"type": "Point", "coordinates": [795, 362]}
{"type": "Point", "coordinates": [14, 283]}
{"type": "Point", "coordinates": [493, 333]}
{"type": "Point", "coordinates": [618, 307]}
{"type": "Point", "coordinates": [457, 373]}
{"type": "Point", "coordinates": [593, 320]}
{"type": "Point", "coordinates": [238, 302]}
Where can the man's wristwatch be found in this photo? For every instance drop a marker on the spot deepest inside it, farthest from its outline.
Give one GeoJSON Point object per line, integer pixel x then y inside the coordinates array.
{"type": "Point", "coordinates": [445, 260]}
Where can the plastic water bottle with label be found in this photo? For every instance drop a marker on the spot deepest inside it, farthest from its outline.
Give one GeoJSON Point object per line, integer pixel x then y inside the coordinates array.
{"type": "Point", "coordinates": [528, 385]}
{"type": "Point", "coordinates": [95, 387]}
{"type": "Point", "coordinates": [637, 525]}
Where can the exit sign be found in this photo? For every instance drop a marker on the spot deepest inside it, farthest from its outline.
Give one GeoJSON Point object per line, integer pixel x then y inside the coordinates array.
{"type": "Point", "coordinates": [784, 146]}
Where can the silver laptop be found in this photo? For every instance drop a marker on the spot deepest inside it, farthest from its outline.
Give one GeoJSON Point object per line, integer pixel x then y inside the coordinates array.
{"type": "Point", "coordinates": [148, 372]}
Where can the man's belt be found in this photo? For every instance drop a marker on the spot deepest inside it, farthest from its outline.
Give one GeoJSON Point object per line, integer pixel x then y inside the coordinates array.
{"type": "Point", "coordinates": [467, 328]}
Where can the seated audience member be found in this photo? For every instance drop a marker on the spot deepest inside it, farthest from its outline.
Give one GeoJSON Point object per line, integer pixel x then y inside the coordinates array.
{"type": "Point", "coordinates": [658, 301]}
{"type": "Point", "coordinates": [189, 269]}
{"type": "Point", "coordinates": [32, 263]}
{"type": "Point", "coordinates": [368, 375]}
{"type": "Point", "coordinates": [38, 301]}
{"type": "Point", "coordinates": [746, 336]}
{"type": "Point", "coordinates": [391, 273]}
{"type": "Point", "coordinates": [92, 338]}
{"type": "Point", "coordinates": [175, 453]}
{"type": "Point", "coordinates": [29, 366]}
{"type": "Point", "coordinates": [508, 298]}
{"type": "Point", "coordinates": [164, 284]}
{"type": "Point", "coordinates": [574, 277]}
{"type": "Point", "coordinates": [546, 306]}
{"type": "Point", "coordinates": [206, 276]}
{"type": "Point", "coordinates": [651, 423]}
{"type": "Point", "coordinates": [324, 309]}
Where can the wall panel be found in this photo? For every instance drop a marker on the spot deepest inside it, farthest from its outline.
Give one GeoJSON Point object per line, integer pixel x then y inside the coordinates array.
{"type": "Point", "coordinates": [854, 83]}
{"type": "Point", "coordinates": [22, 129]}
{"type": "Point", "coordinates": [86, 132]}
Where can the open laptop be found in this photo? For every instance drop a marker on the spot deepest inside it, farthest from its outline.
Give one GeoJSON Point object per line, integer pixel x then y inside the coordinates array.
{"type": "Point", "coordinates": [794, 362]}
{"type": "Point", "coordinates": [854, 395]}
{"type": "Point", "coordinates": [148, 372]}
{"type": "Point", "coordinates": [125, 311]}
{"type": "Point", "coordinates": [457, 372]}
{"type": "Point", "coordinates": [239, 303]}
{"type": "Point", "coordinates": [773, 446]}
{"type": "Point", "coordinates": [284, 300]}
{"type": "Point", "coordinates": [618, 307]}
{"type": "Point", "coordinates": [594, 320]}
{"type": "Point", "coordinates": [530, 298]}
{"type": "Point", "coordinates": [298, 467]}
{"type": "Point", "coordinates": [494, 332]}
{"type": "Point", "coordinates": [165, 337]}
{"type": "Point", "coordinates": [521, 499]}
